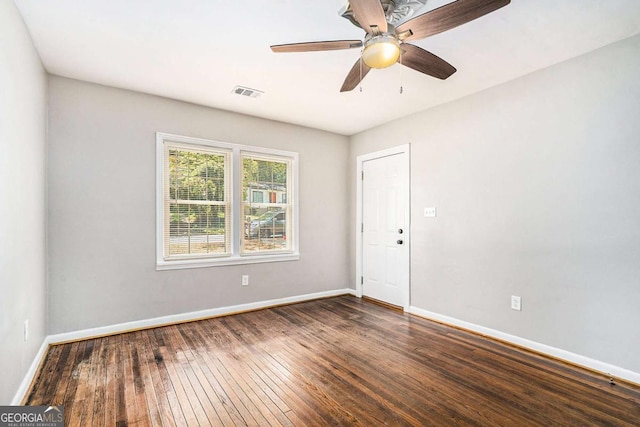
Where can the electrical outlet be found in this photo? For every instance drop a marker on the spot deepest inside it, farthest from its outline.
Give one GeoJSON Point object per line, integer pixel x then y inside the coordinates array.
{"type": "Point", "coordinates": [245, 280]}
{"type": "Point", "coordinates": [516, 303]}
{"type": "Point", "coordinates": [429, 212]}
{"type": "Point", "coordinates": [26, 330]}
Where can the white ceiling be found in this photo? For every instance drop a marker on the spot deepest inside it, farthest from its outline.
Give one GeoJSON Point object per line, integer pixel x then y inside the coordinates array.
{"type": "Point", "coordinates": [198, 50]}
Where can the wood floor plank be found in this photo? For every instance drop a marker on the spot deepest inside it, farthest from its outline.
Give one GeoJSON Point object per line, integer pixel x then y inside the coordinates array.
{"type": "Point", "coordinates": [110, 381]}
{"type": "Point", "coordinates": [295, 394]}
{"type": "Point", "coordinates": [142, 410]}
{"type": "Point", "coordinates": [389, 374]}
{"type": "Point", "coordinates": [226, 394]}
{"type": "Point", "coordinates": [285, 389]}
{"type": "Point", "coordinates": [206, 395]}
{"type": "Point", "coordinates": [69, 401]}
{"type": "Point", "coordinates": [89, 399]}
{"type": "Point", "coordinates": [99, 398]}
{"type": "Point", "coordinates": [54, 363]}
{"type": "Point", "coordinates": [130, 398]}
{"type": "Point", "coordinates": [225, 410]}
{"type": "Point", "coordinates": [373, 369]}
{"type": "Point", "coordinates": [237, 365]}
{"type": "Point", "coordinates": [338, 361]}
{"type": "Point", "coordinates": [121, 384]}
{"type": "Point", "coordinates": [242, 402]}
{"type": "Point", "coordinates": [179, 382]}
{"type": "Point", "coordinates": [368, 402]}
{"type": "Point", "coordinates": [83, 385]}
{"type": "Point", "coordinates": [457, 375]}
{"type": "Point", "coordinates": [150, 396]}
{"type": "Point", "coordinates": [173, 413]}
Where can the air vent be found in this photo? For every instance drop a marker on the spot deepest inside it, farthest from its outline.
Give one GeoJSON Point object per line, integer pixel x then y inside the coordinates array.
{"type": "Point", "coordinates": [245, 91]}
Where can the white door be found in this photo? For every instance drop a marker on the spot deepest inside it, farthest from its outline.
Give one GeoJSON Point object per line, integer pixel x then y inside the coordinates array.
{"type": "Point", "coordinates": [385, 229]}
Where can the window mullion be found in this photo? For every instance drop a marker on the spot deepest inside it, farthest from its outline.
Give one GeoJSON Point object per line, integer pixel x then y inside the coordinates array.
{"type": "Point", "coordinates": [236, 200]}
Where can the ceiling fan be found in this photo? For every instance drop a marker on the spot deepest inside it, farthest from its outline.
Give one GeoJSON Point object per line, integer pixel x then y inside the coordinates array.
{"type": "Point", "coordinates": [385, 44]}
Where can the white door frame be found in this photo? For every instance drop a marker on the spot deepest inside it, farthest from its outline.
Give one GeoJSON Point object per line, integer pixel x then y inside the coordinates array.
{"type": "Point", "coordinates": [406, 152]}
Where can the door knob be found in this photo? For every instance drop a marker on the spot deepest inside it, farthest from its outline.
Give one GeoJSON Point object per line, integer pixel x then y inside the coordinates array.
{"type": "Point", "coordinates": [399, 242]}
{"type": "Point", "coordinates": [400, 231]}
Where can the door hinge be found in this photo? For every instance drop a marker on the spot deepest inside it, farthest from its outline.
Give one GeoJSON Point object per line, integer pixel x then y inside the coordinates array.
{"type": "Point", "coordinates": [362, 176]}
{"type": "Point", "coordinates": [361, 280]}
{"type": "Point", "coordinates": [362, 227]}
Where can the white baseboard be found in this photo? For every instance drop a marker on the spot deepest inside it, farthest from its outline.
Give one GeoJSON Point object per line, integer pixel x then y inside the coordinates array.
{"type": "Point", "coordinates": [28, 378]}
{"type": "Point", "coordinates": [576, 359]}
{"type": "Point", "coordinates": [187, 317]}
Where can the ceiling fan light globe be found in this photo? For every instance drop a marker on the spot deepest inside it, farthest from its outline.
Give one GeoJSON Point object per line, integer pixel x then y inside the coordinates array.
{"type": "Point", "coordinates": [381, 52]}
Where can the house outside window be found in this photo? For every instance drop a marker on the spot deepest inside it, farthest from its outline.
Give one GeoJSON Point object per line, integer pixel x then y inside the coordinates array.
{"type": "Point", "coordinates": [223, 204]}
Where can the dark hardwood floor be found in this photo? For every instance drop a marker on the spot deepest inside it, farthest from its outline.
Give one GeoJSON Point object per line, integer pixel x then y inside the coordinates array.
{"type": "Point", "coordinates": [337, 361]}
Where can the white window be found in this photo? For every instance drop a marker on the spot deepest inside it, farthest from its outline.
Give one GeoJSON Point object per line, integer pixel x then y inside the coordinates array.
{"type": "Point", "coordinates": [224, 204]}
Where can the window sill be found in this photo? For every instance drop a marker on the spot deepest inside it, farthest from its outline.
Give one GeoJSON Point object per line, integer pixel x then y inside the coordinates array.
{"type": "Point", "coordinates": [219, 262]}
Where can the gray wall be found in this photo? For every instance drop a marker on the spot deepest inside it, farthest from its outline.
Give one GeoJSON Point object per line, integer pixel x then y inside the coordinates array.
{"type": "Point", "coordinates": [22, 200]}
{"type": "Point", "coordinates": [537, 185]}
{"type": "Point", "coordinates": [102, 209]}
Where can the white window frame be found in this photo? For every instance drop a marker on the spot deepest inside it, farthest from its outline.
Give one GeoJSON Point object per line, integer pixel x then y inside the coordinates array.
{"type": "Point", "coordinates": [237, 221]}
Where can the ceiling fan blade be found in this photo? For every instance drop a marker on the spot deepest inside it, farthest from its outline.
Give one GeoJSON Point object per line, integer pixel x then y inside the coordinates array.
{"type": "Point", "coordinates": [370, 15]}
{"type": "Point", "coordinates": [425, 62]}
{"type": "Point", "coordinates": [355, 76]}
{"type": "Point", "coordinates": [448, 16]}
{"type": "Point", "coordinates": [317, 46]}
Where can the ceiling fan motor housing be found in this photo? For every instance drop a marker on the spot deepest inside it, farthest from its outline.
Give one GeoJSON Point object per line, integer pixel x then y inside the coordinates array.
{"type": "Point", "coordinates": [395, 11]}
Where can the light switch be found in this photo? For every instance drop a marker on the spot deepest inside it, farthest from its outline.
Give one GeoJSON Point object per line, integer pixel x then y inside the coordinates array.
{"type": "Point", "coordinates": [516, 303]}
{"type": "Point", "coordinates": [429, 212]}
